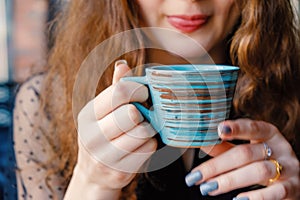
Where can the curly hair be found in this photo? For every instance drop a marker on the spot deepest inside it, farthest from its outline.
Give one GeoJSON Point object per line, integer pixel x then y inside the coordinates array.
{"type": "Point", "coordinates": [265, 45]}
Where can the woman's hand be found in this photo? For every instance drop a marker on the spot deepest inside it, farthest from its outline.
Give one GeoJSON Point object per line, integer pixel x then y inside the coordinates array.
{"type": "Point", "coordinates": [114, 141]}
{"type": "Point", "coordinates": [268, 160]}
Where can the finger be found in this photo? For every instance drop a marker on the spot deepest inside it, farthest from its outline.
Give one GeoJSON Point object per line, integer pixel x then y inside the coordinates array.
{"type": "Point", "coordinates": [121, 69]}
{"type": "Point", "coordinates": [234, 158]}
{"type": "Point", "coordinates": [111, 153]}
{"type": "Point", "coordinates": [278, 191]}
{"type": "Point", "coordinates": [133, 139]}
{"type": "Point", "coordinates": [111, 98]}
{"type": "Point", "coordinates": [125, 161]}
{"type": "Point", "coordinates": [290, 166]}
{"type": "Point", "coordinates": [115, 95]}
{"type": "Point", "coordinates": [246, 129]}
{"type": "Point", "coordinates": [254, 173]}
{"type": "Point", "coordinates": [119, 121]}
{"type": "Point", "coordinates": [133, 162]}
{"type": "Point", "coordinates": [255, 131]}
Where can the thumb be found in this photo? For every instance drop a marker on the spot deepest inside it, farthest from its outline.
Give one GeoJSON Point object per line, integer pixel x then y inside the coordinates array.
{"type": "Point", "coordinates": [121, 69]}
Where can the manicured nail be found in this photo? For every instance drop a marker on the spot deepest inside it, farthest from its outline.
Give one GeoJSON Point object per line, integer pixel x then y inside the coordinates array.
{"type": "Point", "coordinates": [240, 198]}
{"type": "Point", "coordinates": [206, 188]}
{"type": "Point", "coordinates": [119, 62]}
{"type": "Point", "coordinates": [224, 129]}
{"type": "Point", "coordinates": [193, 178]}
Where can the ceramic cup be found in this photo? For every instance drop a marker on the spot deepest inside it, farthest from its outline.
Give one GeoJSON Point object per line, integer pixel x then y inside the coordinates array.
{"type": "Point", "coordinates": [189, 101]}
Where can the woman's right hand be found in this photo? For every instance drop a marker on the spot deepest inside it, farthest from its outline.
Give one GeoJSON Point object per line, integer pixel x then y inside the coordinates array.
{"type": "Point", "coordinates": [114, 140]}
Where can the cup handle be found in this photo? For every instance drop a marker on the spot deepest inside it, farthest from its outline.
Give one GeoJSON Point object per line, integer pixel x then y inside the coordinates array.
{"type": "Point", "coordinates": [145, 112]}
{"type": "Point", "coordinates": [143, 80]}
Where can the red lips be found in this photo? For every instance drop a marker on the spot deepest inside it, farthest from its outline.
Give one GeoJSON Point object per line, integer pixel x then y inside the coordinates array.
{"type": "Point", "coordinates": [187, 23]}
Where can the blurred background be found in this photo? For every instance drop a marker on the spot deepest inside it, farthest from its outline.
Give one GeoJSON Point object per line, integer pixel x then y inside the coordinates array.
{"type": "Point", "coordinates": [24, 44]}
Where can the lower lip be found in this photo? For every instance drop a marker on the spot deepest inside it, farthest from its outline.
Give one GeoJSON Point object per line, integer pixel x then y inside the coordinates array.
{"type": "Point", "coordinates": [185, 25]}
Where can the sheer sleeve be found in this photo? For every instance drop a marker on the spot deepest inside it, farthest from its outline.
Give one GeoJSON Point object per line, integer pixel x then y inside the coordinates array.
{"type": "Point", "coordinates": [32, 147]}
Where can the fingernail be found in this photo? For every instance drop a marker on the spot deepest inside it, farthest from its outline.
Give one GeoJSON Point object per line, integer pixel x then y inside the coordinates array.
{"type": "Point", "coordinates": [193, 178]}
{"type": "Point", "coordinates": [224, 129]}
{"type": "Point", "coordinates": [206, 188]}
{"type": "Point", "coordinates": [240, 198]}
{"type": "Point", "coordinates": [119, 62]}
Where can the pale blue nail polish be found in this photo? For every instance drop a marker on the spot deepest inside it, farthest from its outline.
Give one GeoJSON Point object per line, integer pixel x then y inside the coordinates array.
{"type": "Point", "coordinates": [206, 188]}
{"type": "Point", "coordinates": [193, 178]}
{"type": "Point", "coordinates": [240, 198]}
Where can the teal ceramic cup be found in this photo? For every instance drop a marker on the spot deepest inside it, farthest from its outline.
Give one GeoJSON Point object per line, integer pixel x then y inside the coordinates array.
{"type": "Point", "coordinates": [189, 101]}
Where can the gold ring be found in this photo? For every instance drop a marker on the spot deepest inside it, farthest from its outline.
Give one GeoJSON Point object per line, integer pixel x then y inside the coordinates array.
{"type": "Point", "coordinates": [278, 171]}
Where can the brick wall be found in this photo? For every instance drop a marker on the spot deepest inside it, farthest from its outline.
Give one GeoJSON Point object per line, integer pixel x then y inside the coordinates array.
{"type": "Point", "coordinates": [29, 40]}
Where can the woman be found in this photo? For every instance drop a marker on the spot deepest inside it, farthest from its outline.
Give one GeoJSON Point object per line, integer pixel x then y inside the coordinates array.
{"type": "Point", "coordinates": [261, 37]}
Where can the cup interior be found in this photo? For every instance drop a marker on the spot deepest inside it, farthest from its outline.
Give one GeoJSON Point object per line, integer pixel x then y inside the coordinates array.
{"type": "Point", "coordinates": [192, 68]}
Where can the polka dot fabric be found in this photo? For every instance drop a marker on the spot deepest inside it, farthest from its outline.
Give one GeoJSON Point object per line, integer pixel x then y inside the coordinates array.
{"type": "Point", "coordinates": [32, 147]}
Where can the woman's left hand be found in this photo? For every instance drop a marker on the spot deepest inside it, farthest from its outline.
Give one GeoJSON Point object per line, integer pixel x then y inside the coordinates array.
{"type": "Point", "coordinates": [267, 160]}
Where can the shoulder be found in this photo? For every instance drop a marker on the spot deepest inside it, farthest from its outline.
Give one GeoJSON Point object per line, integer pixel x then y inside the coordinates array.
{"type": "Point", "coordinates": [33, 150]}
{"type": "Point", "coordinates": [31, 86]}
{"type": "Point", "coordinates": [29, 122]}
{"type": "Point", "coordinates": [27, 100]}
